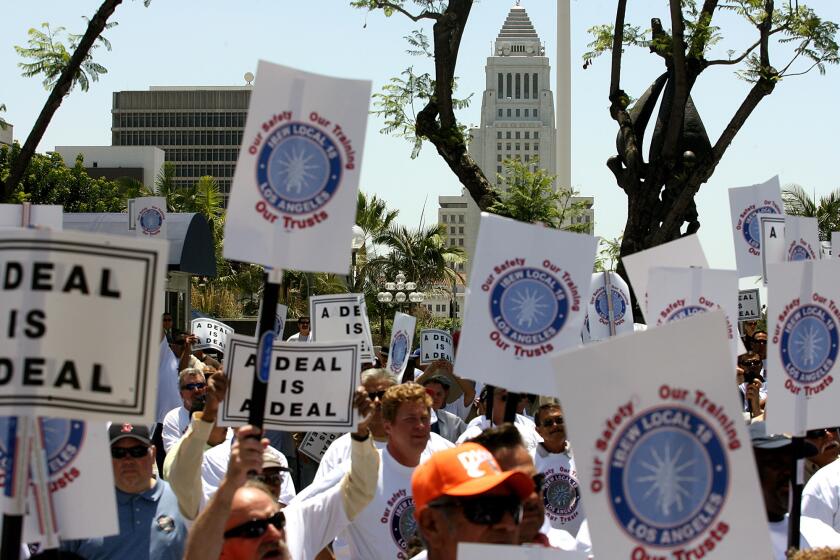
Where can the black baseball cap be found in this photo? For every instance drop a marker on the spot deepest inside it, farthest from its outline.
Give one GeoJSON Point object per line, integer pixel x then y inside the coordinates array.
{"type": "Point", "coordinates": [121, 431]}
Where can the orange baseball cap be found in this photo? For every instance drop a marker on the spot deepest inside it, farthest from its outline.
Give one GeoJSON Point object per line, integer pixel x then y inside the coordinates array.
{"type": "Point", "coordinates": [466, 470]}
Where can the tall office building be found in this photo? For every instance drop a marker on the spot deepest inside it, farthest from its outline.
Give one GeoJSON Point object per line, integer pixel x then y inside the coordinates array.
{"type": "Point", "coordinates": [517, 121]}
{"type": "Point", "coordinates": [198, 128]}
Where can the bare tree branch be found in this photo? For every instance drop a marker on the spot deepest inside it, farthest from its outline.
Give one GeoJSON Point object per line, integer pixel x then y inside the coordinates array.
{"type": "Point", "coordinates": [746, 53]}
{"type": "Point", "coordinates": [618, 46]}
{"type": "Point", "coordinates": [425, 15]}
{"type": "Point", "coordinates": [677, 116]}
{"type": "Point", "coordinates": [814, 65]}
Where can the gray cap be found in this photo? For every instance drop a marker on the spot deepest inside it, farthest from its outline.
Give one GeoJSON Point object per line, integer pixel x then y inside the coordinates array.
{"type": "Point", "coordinates": [762, 440]}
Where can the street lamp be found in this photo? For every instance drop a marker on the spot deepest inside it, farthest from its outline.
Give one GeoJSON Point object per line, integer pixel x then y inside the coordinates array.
{"type": "Point", "coordinates": [396, 292]}
{"type": "Point", "coordinates": [357, 241]}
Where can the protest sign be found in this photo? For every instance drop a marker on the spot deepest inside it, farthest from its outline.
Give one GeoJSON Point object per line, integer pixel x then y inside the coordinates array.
{"type": "Point", "coordinates": [803, 318]}
{"type": "Point", "coordinates": [402, 335]}
{"type": "Point", "coordinates": [50, 364]}
{"type": "Point", "coordinates": [280, 320]}
{"type": "Point", "coordinates": [148, 216]}
{"type": "Point", "coordinates": [435, 344]}
{"type": "Point", "coordinates": [802, 238]}
{"type": "Point", "coordinates": [684, 252]}
{"type": "Point", "coordinates": [609, 317]}
{"type": "Point", "coordinates": [475, 551]}
{"type": "Point", "coordinates": [678, 293]}
{"type": "Point", "coordinates": [341, 317]}
{"type": "Point", "coordinates": [295, 184]}
{"type": "Point", "coordinates": [526, 300]}
{"type": "Point", "coordinates": [211, 333]}
{"type": "Point", "coordinates": [310, 386]}
{"type": "Point", "coordinates": [665, 460]}
{"type": "Point", "coordinates": [772, 227]}
{"type": "Point", "coordinates": [749, 305]}
{"type": "Point", "coordinates": [168, 388]}
{"type": "Point", "coordinates": [746, 204]}
{"type": "Point", "coordinates": [835, 244]}
{"type": "Point", "coordinates": [47, 216]}
{"type": "Point", "coordinates": [315, 444]}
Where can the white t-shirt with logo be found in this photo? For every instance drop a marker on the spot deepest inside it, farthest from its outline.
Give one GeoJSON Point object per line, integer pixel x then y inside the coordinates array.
{"type": "Point", "coordinates": [175, 425]}
{"type": "Point", "coordinates": [561, 490]}
{"type": "Point", "coordinates": [383, 530]}
{"type": "Point", "coordinates": [214, 467]}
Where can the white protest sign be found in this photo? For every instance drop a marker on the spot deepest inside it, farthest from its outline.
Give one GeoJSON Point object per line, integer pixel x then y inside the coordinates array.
{"type": "Point", "coordinates": [526, 299]}
{"type": "Point", "coordinates": [749, 305]}
{"type": "Point", "coordinates": [52, 364]}
{"type": "Point", "coordinates": [609, 317]}
{"type": "Point", "coordinates": [280, 320]}
{"type": "Point", "coordinates": [211, 333]}
{"type": "Point", "coordinates": [339, 317]}
{"type": "Point", "coordinates": [295, 184]}
{"type": "Point", "coordinates": [168, 389]}
{"type": "Point", "coordinates": [678, 293]}
{"type": "Point", "coordinates": [33, 215]}
{"type": "Point", "coordinates": [835, 244]}
{"type": "Point", "coordinates": [475, 551]}
{"type": "Point", "coordinates": [665, 460]}
{"type": "Point", "coordinates": [803, 318]}
{"type": "Point", "coordinates": [148, 216]}
{"type": "Point", "coordinates": [435, 344]}
{"type": "Point", "coordinates": [685, 252]}
{"type": "Point", "coordinates": [402, 335]}
{"type": "Point", "coordinates": [315, 444]}
{"type": "Point", "coordinates": [310, 386]}
{"type": "Point", "coordinates": [746, 204]}
{"type": "Point", "coordinates": [773, 249]}
{"type": "Point", "coordinates": [802, 238]}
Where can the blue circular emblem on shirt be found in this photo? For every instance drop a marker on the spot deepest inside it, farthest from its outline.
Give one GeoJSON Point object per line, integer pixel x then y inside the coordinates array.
{"type": "Point", "coordinates": [529, 306]}
{"type": "Point", "coordinates": [668, 476]}
{"type": "Point", "coordinates": [62, 441]}
{"type": "Point", "coordinates": [151, 220]}
{"type": "Point", "coordinates": [752, 226]}
{"type": "Point", "coordinates": [618, 302]}
{"type": "Point", "coordinates": [298, 168]}
{"type": "Point", "coordinates": [399, 349]}
{"type": "Point", "coordinates": [561, 495]}
{"type": "Point", "coordinates": [809, 344]}
{"type": "Point", "coordinates": [684, 312]}
{"type": "Point", "coordinates": [799, 253]}
{"type": "Point", "coordinates": [8, 433]}
{"type": "Point", "coordinates": [403, 524]}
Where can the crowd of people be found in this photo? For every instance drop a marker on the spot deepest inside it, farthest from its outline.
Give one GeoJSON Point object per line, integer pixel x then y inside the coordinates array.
{"type": "Point", "coordinates": [436, 460]}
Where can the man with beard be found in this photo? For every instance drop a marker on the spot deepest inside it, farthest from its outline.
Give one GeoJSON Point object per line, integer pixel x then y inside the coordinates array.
{"type": "Point", "coordinates": [827, 442]}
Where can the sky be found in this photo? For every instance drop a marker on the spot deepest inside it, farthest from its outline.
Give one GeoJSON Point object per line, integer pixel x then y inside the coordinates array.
{"type": "Point", "coordinates": [209, 42]}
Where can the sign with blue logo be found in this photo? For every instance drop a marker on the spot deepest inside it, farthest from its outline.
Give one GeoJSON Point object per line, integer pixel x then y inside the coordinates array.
{"type": "Point", "coordinates": [402, 335]}
{"type": "Point", "coordinates": [149, 216]}
{"type": "Point", "coordinates": [803, 318]}
{"type": "Point", "coordinates": [297, 175]}
{"type": "Point", "coordinates": [609, 317]}
{"type": "Point", "coordinates": [680, 293]}
{"type": "Point", "coordinates": [664, 462]}
{"type": "Point", "coordinates": [526, 299]}
{"type": "Point", "coordinates": [747, 205]}
{"type": "Point", "coordinates": [802, 238]}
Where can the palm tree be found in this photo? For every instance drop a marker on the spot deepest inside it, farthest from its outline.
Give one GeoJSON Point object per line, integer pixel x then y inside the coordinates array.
{"type": "Point", "coordinates": [826, 210]}
{"type": "Point", "coordinates": [373, 216]}
{"type": "Point", "coordinates": [421, 254]}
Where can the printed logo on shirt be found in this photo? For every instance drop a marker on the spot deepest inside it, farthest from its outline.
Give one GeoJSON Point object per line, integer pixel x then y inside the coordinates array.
{"type": "Point", "coordinates": [399, 517]}
{"type": "Point", "coordinates": [561, 495]}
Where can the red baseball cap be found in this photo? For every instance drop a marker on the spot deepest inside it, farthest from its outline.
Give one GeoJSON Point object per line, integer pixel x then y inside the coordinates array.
{"type": "Point", "coordinates": [466, 470]}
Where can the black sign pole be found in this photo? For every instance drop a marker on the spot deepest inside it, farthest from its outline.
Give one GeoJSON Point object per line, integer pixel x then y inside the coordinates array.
{"type": "Point", "coordinates": [11, 540]}
{"type": "Point", "coordinates": [796, 489]}
{"type": "Point", "coordinates": [265, 340]}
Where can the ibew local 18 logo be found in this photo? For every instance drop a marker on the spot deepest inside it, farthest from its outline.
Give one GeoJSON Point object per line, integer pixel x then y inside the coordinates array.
{"type": "Point", "coordinates": [619, 303]}
{"type": "Point", "coordinates": [151, 220]}
{"type": "Point", "coordinates": [399, 516]}
{"type": "Point", "coordinates": [681, 309]}
{"type": "Point", "coordinates": [299, 168]}
{"type": "Point", "coordinates": [561, 496]}
{"type": "Point", "coordinates": [8, 444]}
{"type": "Point", "coordinates": [399, 350]}
{"type": "Point", "coordinates": [529, 305]}
{"type": "Point", "coordinates": [800, 250]}
{"type": "Point", "coordinates": [750, 226]}
{"type": "Point", "coordinates": [808, 343]}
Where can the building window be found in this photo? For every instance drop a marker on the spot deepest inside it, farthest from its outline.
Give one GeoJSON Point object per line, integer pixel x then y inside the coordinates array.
{"type": "Point", "coordinates": [536, 135]}
{"type": "Point", "coordinates": [498, 157]}
{"type": "Point", "coordinates": [527, 134]}
{"type": "Point", "coordinates": [498, 169]}
{"type": "Point", "coordinates": [498, 145]}
{"type": "Point", "coordinates": [461, 219]}
{"type": "Point", "coordinates": [507, 146]}
{"type": "Point", "coordinates": [461, 229]}
{"type": "Point", "coordinates": [507, 135]}
{"type": "Point", "coordinates": [527, 146]}
{"type": "Point", "coordinates": [526, 86]}
{"type": "Point", "coordinates": [526, 112]}
{"type": "Point", "coordinates": [452, 230]}
{"type": "Point", "coordinates": [501, 85]}
{"type": "Point", "coordinates": [499, 134]}
{"type": "Point", "coordinates": [460, 241]}
{"type": "Point", "coordinates": [517, 112]}
{"type": "Point", "coordinates": [517, 135]}
{"type": "Point", "coordinates": [536, 147]}
{"type": "Point", "coordinates": [500, 113]}
{"type": "Point", "coordinates": [509, 86]}
{"type": "Point", "coordinates": [527, 157]}
{"type": "Point", "coordinates": [535, 113]}
{"type": "Point", "coordinates": [508, 112]}
{"type": "Point", "coordinates": [517, 147]}
{"type": "Point", "coordinates": [536, 87]}
{"type": "Point", "coordinates": [518, 79]}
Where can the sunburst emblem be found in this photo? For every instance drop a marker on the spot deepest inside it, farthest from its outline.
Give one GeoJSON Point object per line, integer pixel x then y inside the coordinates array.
{"type": "Point", "coordinates": [296, 170]}
{"type": "Point", "coordinates": [809, 342]}
{"type": "Point", "coordinates": [530, 307]}
{"type": "Point", "coordinates": [666, 479]}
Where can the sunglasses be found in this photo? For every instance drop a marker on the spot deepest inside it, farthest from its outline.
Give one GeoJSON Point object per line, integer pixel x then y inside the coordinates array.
{"type": "Point", "coordinates": [303, 324]}
{"type": "Point", "coordinates": [751, 363]}
{"type": "Point", "coordinates": [193, 386]}
{"type": "Point", "coordinates": [759, 342]}
{"type": "Point", "coordinates": [256, 528]}
{"type": "Point", "coordinates": [486, 510]}
{"type": "Point", "coordinates": [549, 422]}
{"type": "Point", "coordinates": [136, 452]}
{"type": "Point", "coordinates": [373, 395]}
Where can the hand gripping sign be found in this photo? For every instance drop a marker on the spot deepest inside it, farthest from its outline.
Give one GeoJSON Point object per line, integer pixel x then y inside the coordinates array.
{"type": "Point", "coordinates": [297, 175]}
{"type": "Point", "coordinates": [526, 300]}
{"type": "Point", "coordinates": [746, 205]}
{"type": "Point", "coordinates": [803, 318]}
{"type": "Point", "coordinates": [665, 460]}
{"type": "Point", "coordinates": [52, 364]}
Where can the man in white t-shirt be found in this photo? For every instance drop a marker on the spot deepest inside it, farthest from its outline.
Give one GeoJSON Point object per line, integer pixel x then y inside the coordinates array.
{"type": "Point", "coordinates": [193, 387]}
{"type": "Point", "coordinates": [554, 460]}
{"type": "Point", "coordinates": [385, 528]}
{"type": "Point", "coordinates": [303, 334]}
{"type": "Point", "coordinates": [481, 423]}
{"type": "Point", "coordinates": [821, 496]}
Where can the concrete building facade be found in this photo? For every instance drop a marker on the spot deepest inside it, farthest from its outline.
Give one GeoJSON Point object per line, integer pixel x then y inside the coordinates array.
{"type": "Point", "coordinates": [142, 163]}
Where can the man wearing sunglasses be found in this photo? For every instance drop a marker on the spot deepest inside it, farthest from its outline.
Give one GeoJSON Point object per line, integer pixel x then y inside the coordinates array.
{"type": "Point", "coordinates": [462, 495]}
{"type": "Point", "coordinates": [192, 387]}
{"type": "Point", "coordinates": [303, 333]}
{"type": "Point", "coordinates": [151, 524]}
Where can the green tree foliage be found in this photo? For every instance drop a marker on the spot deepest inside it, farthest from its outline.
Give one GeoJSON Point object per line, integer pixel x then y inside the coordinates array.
{"type": "Point", "coordinates": [422, 254]}
{"type": "Point", "coordinates": [49, 181]}
{"type": "Point", "coordinates": [826, 210]}
{"type": "Point", "coordinates": [3, 123]}
{"type": "Point", "coordinates": [528, 194]}
{"type": "Point", "coordinates": [609, 252]}
{"type": "Point", "coordinates": [373, 216]}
